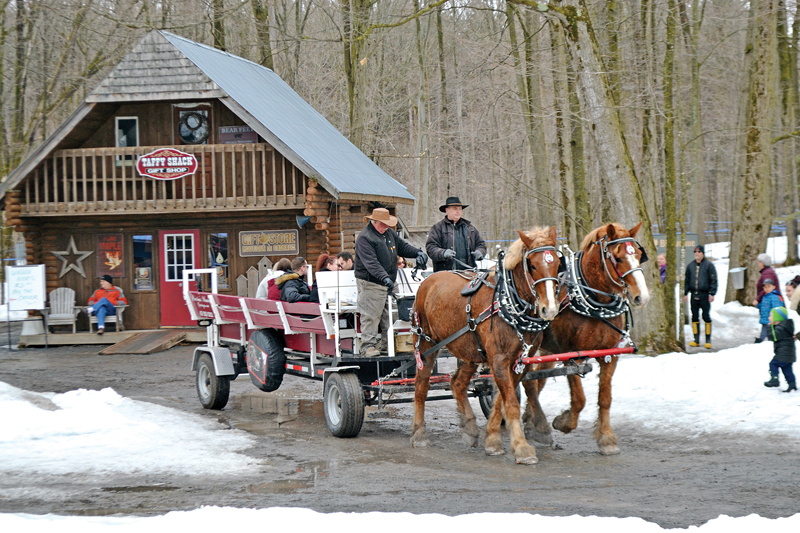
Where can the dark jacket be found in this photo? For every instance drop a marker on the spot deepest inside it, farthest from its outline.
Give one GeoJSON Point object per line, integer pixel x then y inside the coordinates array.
{"type": "Point", "coordinates": [766, 273]}
{"type": "Point", "coordinates": [293, 289]}
{"type": "Point", "coordinates": [376, 254]}
{"type": "Point", "coordinates": [442, 237]}
{"type": "Point", "coordinates": [782, 334]}
{"type": "Point", "coordinates": [700, 278]}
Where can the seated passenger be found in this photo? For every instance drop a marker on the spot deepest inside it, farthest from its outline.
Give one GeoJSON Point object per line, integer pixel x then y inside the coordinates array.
{"type": "Point", "coordinates": [267, 289]}
{"type": "Point", "coordinates": [325, 263]}
{"type": "Point", "coordinates": [293, 285]}
{"type": "Point", "coordinates": [103, 301]}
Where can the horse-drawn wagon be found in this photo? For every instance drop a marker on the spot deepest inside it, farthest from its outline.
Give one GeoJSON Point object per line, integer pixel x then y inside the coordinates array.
{"type": "Point", "coordinates": [267, 339]}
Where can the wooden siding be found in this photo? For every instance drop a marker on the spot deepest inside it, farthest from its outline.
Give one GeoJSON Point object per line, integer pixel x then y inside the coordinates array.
{"type": "Point", "coordinates": [99, 180]}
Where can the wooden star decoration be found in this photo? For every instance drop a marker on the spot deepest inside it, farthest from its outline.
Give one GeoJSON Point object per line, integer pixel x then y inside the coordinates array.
{"type": "Point", "coordinates": [72, 259]}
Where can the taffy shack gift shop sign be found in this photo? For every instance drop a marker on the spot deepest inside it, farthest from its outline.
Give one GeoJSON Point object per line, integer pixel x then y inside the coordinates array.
{"type": "Point", "coordinates": [257, 243]}
{"type": "Point", "coordinates": [166, 164]}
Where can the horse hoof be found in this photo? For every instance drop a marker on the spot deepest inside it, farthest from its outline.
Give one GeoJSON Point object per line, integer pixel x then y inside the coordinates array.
{"type": "Point", "coordinates": [469, 440]}
{"type": "Point", "coordinates": [492, 451]}
{"type": "Point", "coordinates": [609, 450]}
{"type": "Point", "coordinates": [563, 422]}
{"type": "Point", "coordinates": [529, 460]}
{"type": "Point", "coordinates": [420, 440]}
{"type": "Point", "coordinates": [542, 437]}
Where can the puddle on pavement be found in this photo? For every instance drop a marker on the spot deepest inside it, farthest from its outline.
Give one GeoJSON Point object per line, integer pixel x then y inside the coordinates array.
{"type": "Point", "coordinates": [140, 488]}
{"type": "Point", "coordinates": [282, 486]}
{"type": "Point", "coordinates": [310, 474]}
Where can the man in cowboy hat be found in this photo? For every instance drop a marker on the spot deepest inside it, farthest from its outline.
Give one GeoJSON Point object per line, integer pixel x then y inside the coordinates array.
{"type": "Point", "coordinates": [377, 248]}
{"type": "Point", "coordinates": [454, 238]}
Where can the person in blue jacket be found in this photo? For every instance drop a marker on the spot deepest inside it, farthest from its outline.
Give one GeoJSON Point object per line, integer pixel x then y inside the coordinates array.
{"type": "Point", "coordinates": [772, 299]}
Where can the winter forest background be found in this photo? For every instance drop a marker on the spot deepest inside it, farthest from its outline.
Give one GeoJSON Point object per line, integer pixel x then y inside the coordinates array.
{"type": "Point", "coordinates": [679, 114]}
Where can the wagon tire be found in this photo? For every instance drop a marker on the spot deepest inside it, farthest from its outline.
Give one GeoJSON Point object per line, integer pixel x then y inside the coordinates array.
{"type": "Point", "coordinates": [212, 390]}
{"type": "Point", "coordinates": [343, 400]}
{"type": "Point", "coordinates": [487, 397]}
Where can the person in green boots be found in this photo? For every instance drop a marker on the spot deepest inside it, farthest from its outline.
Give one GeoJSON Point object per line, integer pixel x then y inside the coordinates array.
{"type": "Point", "coordinates": [781, 332]}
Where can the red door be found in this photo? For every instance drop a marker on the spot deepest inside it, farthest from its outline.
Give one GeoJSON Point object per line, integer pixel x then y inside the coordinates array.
{"type": "Point", "coordinates": [179, 250]}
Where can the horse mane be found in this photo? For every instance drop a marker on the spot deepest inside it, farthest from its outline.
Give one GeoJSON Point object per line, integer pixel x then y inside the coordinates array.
{"type": "Point", "coordinates": [540, 237]}
{"type": "Point", "coordinates": [599, 233]}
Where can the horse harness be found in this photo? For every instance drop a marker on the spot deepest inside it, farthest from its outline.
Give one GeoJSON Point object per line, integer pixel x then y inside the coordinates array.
{"type": "Point", "coordinates": [581, 296]}
{"type": "Point", "coordinates": [506, 302]}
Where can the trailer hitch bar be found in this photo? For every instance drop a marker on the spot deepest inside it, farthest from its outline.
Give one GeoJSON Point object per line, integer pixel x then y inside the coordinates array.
{"type": "Point", "coordinates": [576, 355]}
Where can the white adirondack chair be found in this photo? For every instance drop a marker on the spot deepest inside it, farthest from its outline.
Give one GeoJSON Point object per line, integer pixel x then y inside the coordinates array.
{"type": "Point", "coordinates": [62, 310]}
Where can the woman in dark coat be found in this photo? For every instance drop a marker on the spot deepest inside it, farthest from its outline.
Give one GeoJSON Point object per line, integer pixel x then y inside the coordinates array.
{"type": "Point", "coordinates": [767, 272]}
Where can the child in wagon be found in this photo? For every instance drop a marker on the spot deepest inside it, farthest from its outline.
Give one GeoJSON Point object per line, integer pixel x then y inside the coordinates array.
{"type": "Point", "coordinates": [782, 333]}
{"type": "Point", "coordinates": [772, 299]}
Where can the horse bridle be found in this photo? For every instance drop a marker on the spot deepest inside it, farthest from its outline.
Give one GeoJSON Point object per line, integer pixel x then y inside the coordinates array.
{"type": "Point", "coordinates": [608, 257]}
{"type": "Point", "coordinates": [529, 277]}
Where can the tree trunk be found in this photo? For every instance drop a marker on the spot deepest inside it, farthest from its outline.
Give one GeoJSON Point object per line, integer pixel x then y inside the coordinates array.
{"type": "Point", "coordinates": [262, 22]}
{"type": "Point", "coordinates": [752, 216]}
{"type": "Point", "coordinates": [423, 159]}
{"type": "Point", "coordinates": [218, 24]}
{"type": "Point", "coordinates": [669, 154]}
{"type": "Point", "coordinates": [696, 144]}
{"type": "Point", "coordinates": [445, 136]}
{"type": "Point", "coordinates": [561, 103]}
{"type": "Point", "coordinates": [653, 325]}
{"type": "Point", "coordinates": [787, 177]}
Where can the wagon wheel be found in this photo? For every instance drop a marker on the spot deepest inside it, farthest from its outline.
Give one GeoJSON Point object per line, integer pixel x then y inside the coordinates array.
{"type": "Point", "coordinates": [212, 390]}
{"type": "Point", "coordinates": [343, 399]}
{"type": "Point", "coordinates": [487, 396]}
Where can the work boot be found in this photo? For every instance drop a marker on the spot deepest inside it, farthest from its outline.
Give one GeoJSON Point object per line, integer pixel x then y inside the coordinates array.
{"type": "Point", "coordinates": [372, 351]}
{"type": "Point", "coordinates": [792, 386]}
{"type": "Point", "coordinates": [696, 330]}
{"type": "Point", "coordinates": [708, 336]}
{"type": "Point", "coordinates": [772, 382]}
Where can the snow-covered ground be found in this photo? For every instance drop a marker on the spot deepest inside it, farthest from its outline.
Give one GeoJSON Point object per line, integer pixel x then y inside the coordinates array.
{"type": "Point", "coordinates": [95, 432]}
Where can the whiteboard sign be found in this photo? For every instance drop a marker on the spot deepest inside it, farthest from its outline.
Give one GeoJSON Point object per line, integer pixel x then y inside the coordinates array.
{"type": "Point", "coordinates": [26, 287]}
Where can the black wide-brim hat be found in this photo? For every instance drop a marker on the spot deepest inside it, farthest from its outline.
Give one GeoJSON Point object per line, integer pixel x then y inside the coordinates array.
{"type": "Point", "coordinates": [451, 201]}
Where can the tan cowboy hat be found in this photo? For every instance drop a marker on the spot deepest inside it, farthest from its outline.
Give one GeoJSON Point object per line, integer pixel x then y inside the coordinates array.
{"type": "Point", "coordinates": [381, 214]}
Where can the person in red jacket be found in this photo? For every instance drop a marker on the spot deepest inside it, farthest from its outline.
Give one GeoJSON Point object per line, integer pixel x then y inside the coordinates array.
{"type": "Point", "coordinates": [103, 301]}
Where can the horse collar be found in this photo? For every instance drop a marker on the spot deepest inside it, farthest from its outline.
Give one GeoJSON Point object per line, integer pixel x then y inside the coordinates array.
{"type": "Point", "coordinates": [579, 293]}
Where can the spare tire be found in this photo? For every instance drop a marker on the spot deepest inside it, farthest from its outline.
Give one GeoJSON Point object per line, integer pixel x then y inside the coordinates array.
{"type": "Point", "coordinates": [266, 359]}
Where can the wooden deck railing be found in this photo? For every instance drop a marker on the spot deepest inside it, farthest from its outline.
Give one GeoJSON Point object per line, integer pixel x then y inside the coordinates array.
{"type": "Point", "coordinates": [102, 180]}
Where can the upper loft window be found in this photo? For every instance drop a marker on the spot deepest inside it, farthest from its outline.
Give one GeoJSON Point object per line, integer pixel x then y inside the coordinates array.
{"type": "Point", "coordinates": [193, 123]}
{"type": "Point", "coordinates": [126, 134]}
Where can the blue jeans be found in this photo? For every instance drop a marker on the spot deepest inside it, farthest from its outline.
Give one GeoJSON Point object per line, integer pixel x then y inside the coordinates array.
{"type": "Point", "coordinates": [101, 309]}
{"type": "Point", "coordinates": [786, 367]}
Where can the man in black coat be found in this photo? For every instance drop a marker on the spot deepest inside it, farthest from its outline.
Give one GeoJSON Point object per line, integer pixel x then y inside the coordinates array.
{"type": "Point", "coordinates": [701, 282]}
{"type": "Point", "coordinates": [293, 284]}
{"type": "Point", "coordinates": [454, 238]}
{"type": "Point", "coordinates": [377, 248]}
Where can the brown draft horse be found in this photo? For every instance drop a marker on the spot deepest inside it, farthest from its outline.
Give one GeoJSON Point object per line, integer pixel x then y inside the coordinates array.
{"type": "Point", "coordinates": [441, 311]}
{"type": "Point", "coordinates": [616, 274]}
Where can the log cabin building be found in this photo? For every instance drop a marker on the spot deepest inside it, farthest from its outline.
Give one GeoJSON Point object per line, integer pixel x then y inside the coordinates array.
{"type": "Point", "coordinates": [187, 157]}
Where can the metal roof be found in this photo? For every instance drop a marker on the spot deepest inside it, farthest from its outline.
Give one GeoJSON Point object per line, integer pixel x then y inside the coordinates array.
{"type": "Point", "coordinates": [164, 66]}
{"type": "Point", "coordinates": [310, 142]}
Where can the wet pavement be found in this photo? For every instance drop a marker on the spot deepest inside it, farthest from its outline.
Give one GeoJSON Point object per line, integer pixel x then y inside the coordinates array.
{"type": "Point", "coordinates": [675, 480]}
